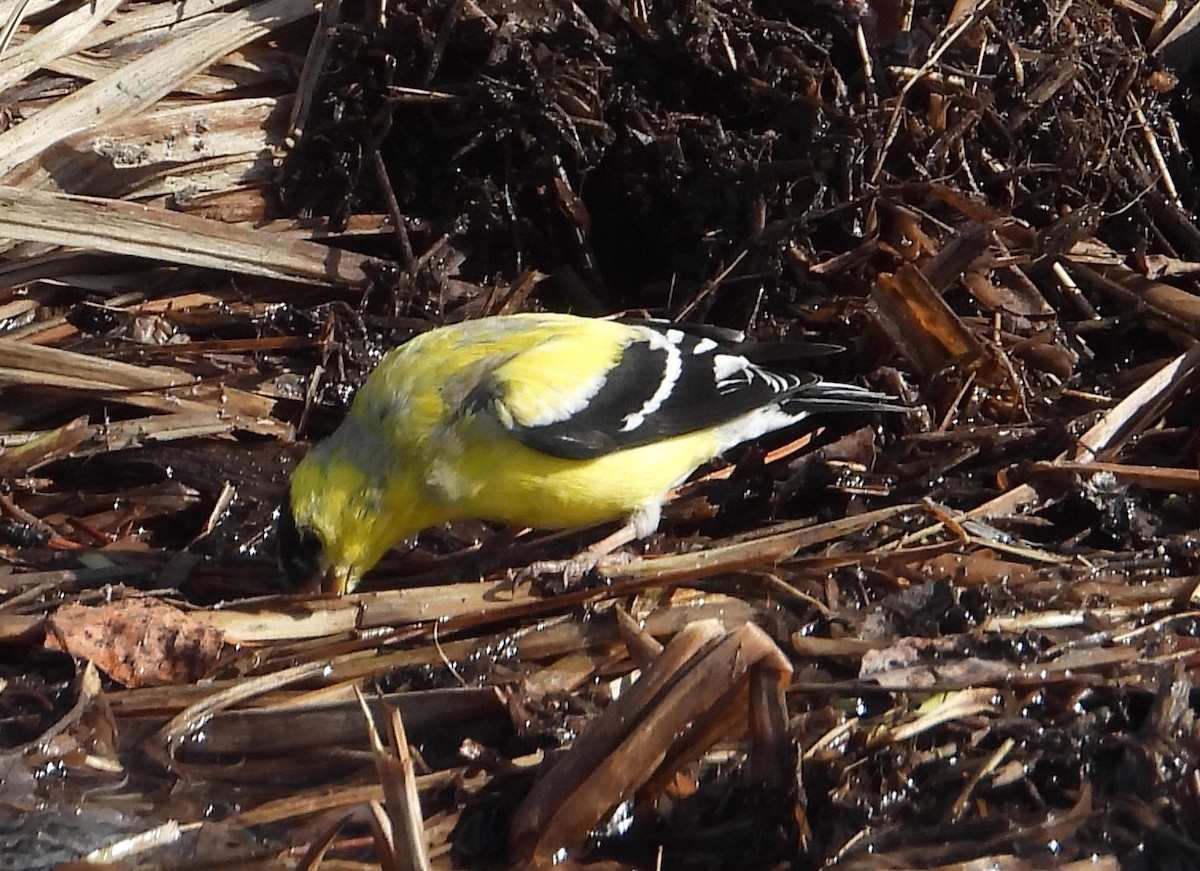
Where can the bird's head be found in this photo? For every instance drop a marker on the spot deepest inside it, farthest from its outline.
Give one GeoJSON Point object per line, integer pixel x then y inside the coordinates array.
{"type": "Point", "coordinates": [333, 525]}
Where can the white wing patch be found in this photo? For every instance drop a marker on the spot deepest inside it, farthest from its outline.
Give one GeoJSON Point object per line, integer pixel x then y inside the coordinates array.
{"type": "Point", "coordinates": [672, 367]}
{"type": "Point", "coordinates": [731, 372]}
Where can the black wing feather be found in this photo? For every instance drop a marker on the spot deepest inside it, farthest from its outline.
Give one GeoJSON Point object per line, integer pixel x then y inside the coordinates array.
{"type": "Point", "coordinates": [697, 399]}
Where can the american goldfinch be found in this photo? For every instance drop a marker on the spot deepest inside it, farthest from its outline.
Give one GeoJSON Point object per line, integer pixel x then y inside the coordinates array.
{"type": "Point", "coordinates": [541, 420]}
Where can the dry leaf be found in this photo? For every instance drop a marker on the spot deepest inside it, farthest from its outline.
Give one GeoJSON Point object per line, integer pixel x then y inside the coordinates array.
{"type": "Point", "coordinates": [136, 642]}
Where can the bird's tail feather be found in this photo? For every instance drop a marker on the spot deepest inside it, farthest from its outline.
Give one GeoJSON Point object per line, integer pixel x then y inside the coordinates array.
{"type": "Point", "coordinates": [833, 396]}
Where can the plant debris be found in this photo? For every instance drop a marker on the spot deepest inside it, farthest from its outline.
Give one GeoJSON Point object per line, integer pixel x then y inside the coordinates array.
{"type": "Point", "coordinates": [955, 638]}
{"type": "Point", "coordinates": [136, 642]}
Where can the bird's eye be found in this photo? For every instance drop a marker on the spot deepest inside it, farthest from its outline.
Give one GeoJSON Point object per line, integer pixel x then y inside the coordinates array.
{"type": "Point", "coordinates": [299, 549]}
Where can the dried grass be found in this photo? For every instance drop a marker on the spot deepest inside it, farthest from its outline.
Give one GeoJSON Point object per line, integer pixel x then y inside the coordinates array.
{"type": "Point", "coordinates": [961, 639]}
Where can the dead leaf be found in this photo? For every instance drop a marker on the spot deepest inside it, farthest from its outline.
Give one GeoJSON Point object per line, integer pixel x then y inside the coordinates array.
{"type": "Point", "coordinates": [136, 642]}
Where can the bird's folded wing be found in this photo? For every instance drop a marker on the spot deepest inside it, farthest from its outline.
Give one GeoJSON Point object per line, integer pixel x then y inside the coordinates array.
{"type": "Point", "coordinates": [580, 396]}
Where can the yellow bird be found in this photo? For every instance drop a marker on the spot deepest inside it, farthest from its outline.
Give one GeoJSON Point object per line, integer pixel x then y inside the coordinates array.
{"type": "Point", "coordinates": [542, 420]}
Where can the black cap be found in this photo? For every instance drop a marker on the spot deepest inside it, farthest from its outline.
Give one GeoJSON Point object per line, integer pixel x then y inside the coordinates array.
{"type": "Point", "coordinates": [299, 549]}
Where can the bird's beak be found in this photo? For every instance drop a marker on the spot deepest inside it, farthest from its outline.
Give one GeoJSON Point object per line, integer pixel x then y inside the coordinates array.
{"type": "Point", "coordinates": [337, 580]}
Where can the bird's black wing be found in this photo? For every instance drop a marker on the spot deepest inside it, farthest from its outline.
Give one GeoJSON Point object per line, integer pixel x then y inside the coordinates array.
{"type": "Point", "coordinates": [665, 382]}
